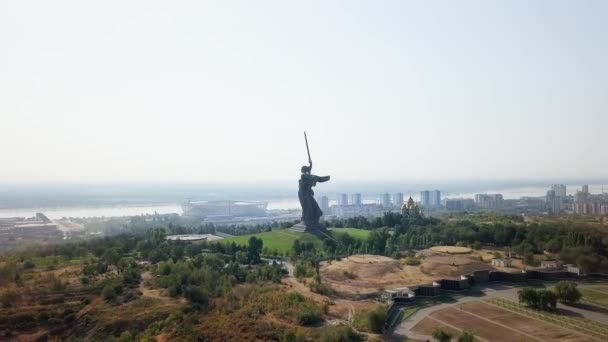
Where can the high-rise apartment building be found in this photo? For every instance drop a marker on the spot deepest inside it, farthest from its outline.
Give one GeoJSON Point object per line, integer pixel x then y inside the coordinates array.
{"type": "Point", "coordinates": [553, 202]}
{"type": "Point", "coordinates": [355, 199]}
{"type": "Point", "coordinates": [425, 199]}
{"type": "Point", "coordinates": [398, 199]}
{"type": "Point", "coordinates": [559, 189]}
{"type": "Point", "coordinates": [386, 200]}
{"type": "Point", "coordinates": [489, 201]}
{"type": "Point", "coordinates": [342, 199]}
{"type": "Point", "coordinates": [435, 198]}
{"type": "Point", "coordinates": [430, 199]}
{"type": "Point", "coordinates": [324, 204]}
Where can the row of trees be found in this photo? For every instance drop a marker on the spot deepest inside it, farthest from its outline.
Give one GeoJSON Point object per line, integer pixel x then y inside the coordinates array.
{"type": "Point", "coordinates": [576, 243]}
{"type": "Point", "coordinates": [565, 292]}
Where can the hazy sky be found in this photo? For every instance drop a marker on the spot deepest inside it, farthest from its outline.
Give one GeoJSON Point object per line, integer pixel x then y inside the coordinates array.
{"type": "Point", "coordinates": [205, 91]}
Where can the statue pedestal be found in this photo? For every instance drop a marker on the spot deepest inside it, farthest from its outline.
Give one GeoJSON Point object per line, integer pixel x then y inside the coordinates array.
{"type": "Point", "coordinates": [301, 227]}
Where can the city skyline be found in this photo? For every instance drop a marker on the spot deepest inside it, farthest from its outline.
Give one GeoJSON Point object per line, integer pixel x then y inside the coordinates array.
{"type": "Point", "coordinates": [124, 91]}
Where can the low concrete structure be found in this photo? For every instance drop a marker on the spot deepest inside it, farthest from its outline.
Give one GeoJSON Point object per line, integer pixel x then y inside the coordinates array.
{"type": "Point", "coordinates": [428, 290]}
{"type": "Point", "coordinates": [551, 264]}
{"type": "Point", "coordinates": [502, 262]}
{"type": "Point", "coordinates": [193, 237]}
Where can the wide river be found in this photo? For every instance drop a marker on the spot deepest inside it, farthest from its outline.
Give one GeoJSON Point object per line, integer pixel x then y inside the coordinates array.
{"type": "Point", "coordinates": [288, 203]}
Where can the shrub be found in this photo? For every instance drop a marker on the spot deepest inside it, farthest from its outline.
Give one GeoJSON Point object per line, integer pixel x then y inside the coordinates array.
{"type": "Point", "coordinates": [28, 264]}
{"type": "Point", "coordinates": [56, 284]}
{"type": "Point", "coordinates": [108, 293]}
{"type": "Point", "coordinates": [8, 297]}
{"type": "Point", "coordinates": [43, 317]}
{"type": "Point", "coordinates": [349, 275]}
{"type": "Point", "coordinates": [69, 318]}
{"type": "Point", "coordinates": [467, 336]}
{"type": "Point", "coordinates": [85, 301]}
{"type": "Point", "coordinates": [441, 335]}
{"type": "Point", "coordinates": [567, 292]}
{"type": "Point", "coordinates": [321, 288]}
{"type": "Point", "coordinates": [308, 315]}
{"type": "Point", "coordinates": [197, 296]}
{"type": "Point", "coordinates": [340, 333]}
{"type": "Point", "coordinates": [376, 320]}
{"type": "Point", "coordinates": [412, 261]}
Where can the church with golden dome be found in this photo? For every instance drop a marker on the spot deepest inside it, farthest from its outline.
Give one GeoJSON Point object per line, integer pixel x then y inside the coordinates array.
{"type": "Point", "coordinates": [410, 208]}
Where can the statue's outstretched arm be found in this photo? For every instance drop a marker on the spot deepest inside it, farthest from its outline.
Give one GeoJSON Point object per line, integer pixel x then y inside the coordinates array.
{"type": "Point", "coordinates": [322, 179]}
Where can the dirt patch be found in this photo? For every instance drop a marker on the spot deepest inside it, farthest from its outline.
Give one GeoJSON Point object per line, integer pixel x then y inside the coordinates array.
{"type": "Point", "coordinates": [340, 310]}
{"type": "Point", "coordinates": [365, 274]}
{"type": "Point", "coordinates": [452, 249]}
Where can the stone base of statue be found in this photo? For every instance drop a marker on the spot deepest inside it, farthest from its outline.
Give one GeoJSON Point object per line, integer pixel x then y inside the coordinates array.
{"type": "Point", "coordinates": [313, 228]}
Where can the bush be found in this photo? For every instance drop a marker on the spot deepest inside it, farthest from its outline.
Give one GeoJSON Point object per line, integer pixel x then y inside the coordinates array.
{"type": "Point", "coordinates": [567, 292]}
{"type": "Point", "coordinates": [321, 288]}
{"type": "Point", "coordinates": [441, 335]}
{"type": "Point", "coordinates": [8, 297]}
{"type": "Point", "coordinates": [412, 261]}
{"type": "Point", "coordinates": [28, 264]}
{"type": "Point", "coordinates": [350, 275]}
{"type": "Point", "coordinates": [309, 315]}
{"type": "Point", "coordinates": [43, 317]}
{"type": "Point", "coordinates": [340, 333]}
{"type": "Point", "coordinates": [196, 296]}
{"type": "Point", "coordinates": [467, 336]}
{"type": "Point", "coordinates": [543, 299]}
{"type": "Point", "coordinates": [376, 320]}
{"type": "Point", "coordinates": [108, 293]}
{"type": "Point", "coordinates": [69, 318]}
{"type": "Point", "coordinates": [290, 336]}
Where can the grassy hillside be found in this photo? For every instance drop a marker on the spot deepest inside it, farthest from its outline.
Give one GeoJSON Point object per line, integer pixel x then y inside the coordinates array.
{"type": "Point", "coordinates": [282, 239]}
{"type": "Point", "coordinates": [359, 234]}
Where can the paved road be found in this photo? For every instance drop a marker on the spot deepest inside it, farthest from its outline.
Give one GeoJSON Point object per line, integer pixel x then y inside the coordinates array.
{"type": "Point", "coordinates": [490, 290]}
{"type": "Point", "coordinates": [504, 291]}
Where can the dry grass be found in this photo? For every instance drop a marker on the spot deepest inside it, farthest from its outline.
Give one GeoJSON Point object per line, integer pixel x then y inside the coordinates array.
{"type": "Point", "coordinates": [452, 249]}
{"type": "Point", "coordinates": [372, 274]}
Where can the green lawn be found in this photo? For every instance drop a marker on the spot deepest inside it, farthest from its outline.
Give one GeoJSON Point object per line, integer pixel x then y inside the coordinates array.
{"type": "Point", "coordinates": [595, 294]}
{"type": "Point", "coordinates": [282, 239]}
{"type": "Point", "coordinates": [359, 234]}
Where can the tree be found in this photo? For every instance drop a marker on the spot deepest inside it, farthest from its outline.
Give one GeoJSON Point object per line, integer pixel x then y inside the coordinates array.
{"type": "Point", "coordinates": [441, 335]}
{"type": "Point", "coordinates": [467, 336]}
{"type": "Point", "coordinates": [546, 299]}
{"type": "Point", "coordinates": [567, 292]}
{"type": "Point", "coordinates": [528, 296]}
{"type": "Point", "coordinates": [376, 320]}
{"type": "Point", "coordinates": [253, 250]}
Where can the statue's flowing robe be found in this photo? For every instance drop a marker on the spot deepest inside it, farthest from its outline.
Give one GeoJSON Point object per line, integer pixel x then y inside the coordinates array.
{"type": "Point", "coordinates": [311, 212]}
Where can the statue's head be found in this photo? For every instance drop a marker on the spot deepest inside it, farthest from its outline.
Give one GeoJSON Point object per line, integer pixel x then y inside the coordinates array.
{"type": "Point", "coordinates": [305, 169]}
